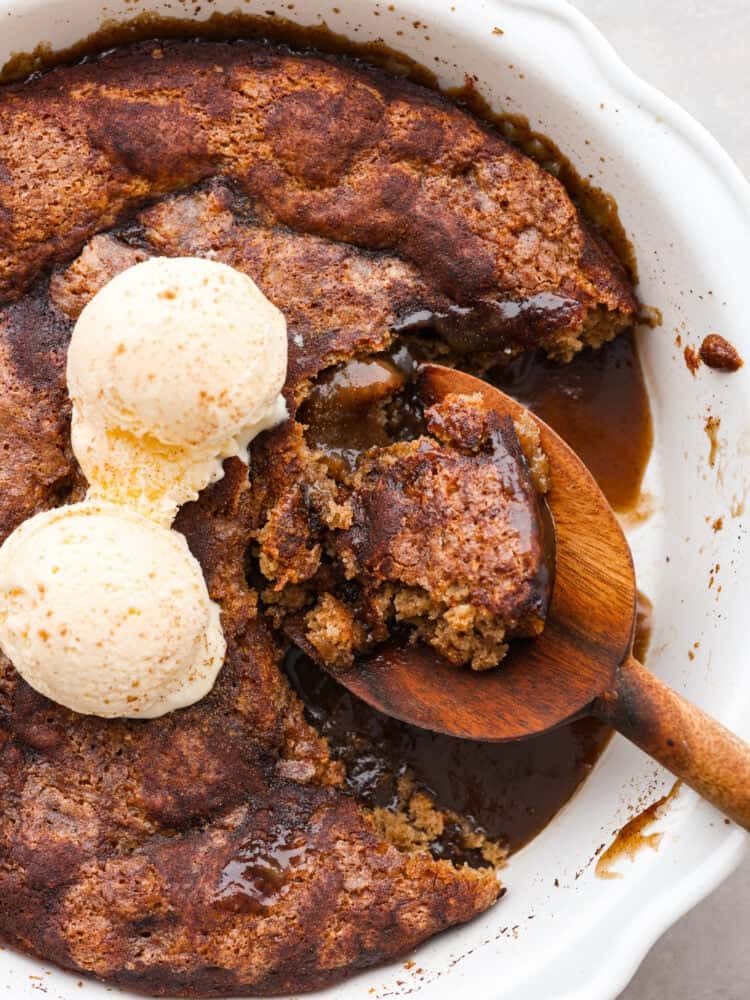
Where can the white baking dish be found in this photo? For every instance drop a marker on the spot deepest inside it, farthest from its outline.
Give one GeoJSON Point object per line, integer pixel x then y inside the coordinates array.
{"type": "Point", "coordinates": [561, 932]}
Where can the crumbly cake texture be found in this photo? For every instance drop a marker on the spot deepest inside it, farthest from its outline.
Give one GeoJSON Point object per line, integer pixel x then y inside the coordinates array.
{"type": "Point", "coordinates": [443, 534]}
{"type": "Point", "coordinates": [355, 201]}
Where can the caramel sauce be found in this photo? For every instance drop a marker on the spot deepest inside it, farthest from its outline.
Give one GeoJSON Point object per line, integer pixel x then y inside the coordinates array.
{"type": "Point", "coordinates": [599, 405]}
{"type": "Point", "coordinates": [343, 412]}
{"type": "Point", "coordinates": [257, 874]}
{"type": "Point", "coordinates": [494, 325]}
{"type": "Point", "coordinates": [510, 790]}
{"type": "Point", "coordinates": [631, 838]}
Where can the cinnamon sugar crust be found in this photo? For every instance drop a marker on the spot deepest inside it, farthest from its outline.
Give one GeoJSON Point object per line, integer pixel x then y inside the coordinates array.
{"type": "Point", "coordinates": [195, 854]}
{"type": "Point", "coordinates": [326, 148]}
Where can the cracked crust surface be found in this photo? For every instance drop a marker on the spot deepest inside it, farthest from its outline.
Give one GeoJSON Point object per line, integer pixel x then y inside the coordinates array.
{"type": "Point", "coordinates": [327, 148]}
{"type": "Point", "coordinates": [354, 200]}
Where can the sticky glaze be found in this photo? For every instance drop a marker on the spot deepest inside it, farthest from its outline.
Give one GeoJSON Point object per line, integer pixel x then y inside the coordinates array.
{"type": "Point", "coordinates": [256, 875]}
{"type": "Point", "coordinates": [493, 326]}
{"type": "Point", "coordinates": [511, 791]}
{"type": "Point", "coordinates": [599, 405]}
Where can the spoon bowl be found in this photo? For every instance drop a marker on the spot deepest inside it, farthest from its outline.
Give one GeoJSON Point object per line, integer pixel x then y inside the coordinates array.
{"type": "Point", "coordinates": [543, 681]}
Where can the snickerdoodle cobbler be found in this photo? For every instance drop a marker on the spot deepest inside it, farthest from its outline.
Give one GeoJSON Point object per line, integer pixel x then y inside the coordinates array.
{"type": "Point", "coordinates": [224, 848]}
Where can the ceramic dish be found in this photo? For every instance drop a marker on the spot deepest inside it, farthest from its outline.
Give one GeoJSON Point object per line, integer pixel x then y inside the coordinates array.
{"type": "Point", "coordinates": [562, 933]}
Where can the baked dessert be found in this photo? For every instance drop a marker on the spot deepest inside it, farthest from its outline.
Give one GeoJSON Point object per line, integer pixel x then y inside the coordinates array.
{"type": "Point", "coordinates": [441, 534]}
{"type": "Point", "coordinates": [194, 854]}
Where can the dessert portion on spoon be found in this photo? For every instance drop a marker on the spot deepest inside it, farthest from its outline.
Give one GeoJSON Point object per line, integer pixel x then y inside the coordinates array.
{"type": "Point", "coordinates": [175, 365]}
{"type": "Point", "coordinates": [440, 534]}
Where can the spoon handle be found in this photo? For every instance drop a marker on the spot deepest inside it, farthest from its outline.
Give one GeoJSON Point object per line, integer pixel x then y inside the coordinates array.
{"type": "Point", "coordinates": [691, 744]}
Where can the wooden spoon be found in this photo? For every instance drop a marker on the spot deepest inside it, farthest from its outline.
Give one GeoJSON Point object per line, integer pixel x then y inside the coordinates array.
{"type": "Point", "coordinates": [582, 664]}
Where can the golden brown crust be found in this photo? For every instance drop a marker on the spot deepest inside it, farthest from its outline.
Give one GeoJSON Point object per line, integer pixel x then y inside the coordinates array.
{"type": "Point", "coordinates": [338, 300]}
{"type": "Point", "coordinates": [355, 201]}
{"type": "Point", "coordinates": [328, 149]}
{"type": "Point", "coordinates": [103, 825]}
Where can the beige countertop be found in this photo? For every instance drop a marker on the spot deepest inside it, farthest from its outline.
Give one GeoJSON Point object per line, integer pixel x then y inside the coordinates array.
{"type": "Point", "coordinates": [697, 52]}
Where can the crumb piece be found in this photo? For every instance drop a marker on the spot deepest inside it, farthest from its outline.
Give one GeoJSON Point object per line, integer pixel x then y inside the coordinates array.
{"type": "Point", "coordinates": [718, 353]}
{"type": "Point", "coordinates": [461, 421]}
{"type": "Point", "coordinates": [337, 515]}
{"type": "Point", "coordinates": [301, 771]}
{"type": "Point", "coordinates": [650, 316]}
{"type": "Point", "coordinates": [102, 259]}
{"type": "Point", "coordinates": [293, 597]}
{"type": "Point", "coordinates": [416, 824]}
{"type": "Point", "coordinates": [287, 553]}
{"type": "Point", "coordinates": [530, 438]}
{"type": "Point", "coordinates": [466, 634]}
{"type": "Point", "coordinates": [333, 631]}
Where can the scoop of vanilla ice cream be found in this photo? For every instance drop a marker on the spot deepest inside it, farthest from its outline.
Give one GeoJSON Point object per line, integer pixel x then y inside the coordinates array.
{"type": "Point", "coordinates": [107, 612]}
{"type": "Point", "coordinates": [140, 472]}
{"type": "Point", "coordinates": [173, 366]}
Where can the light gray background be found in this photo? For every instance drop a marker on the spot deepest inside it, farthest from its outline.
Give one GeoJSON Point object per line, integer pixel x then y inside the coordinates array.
{"type": "Point", "coordinates": [697, 52]}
